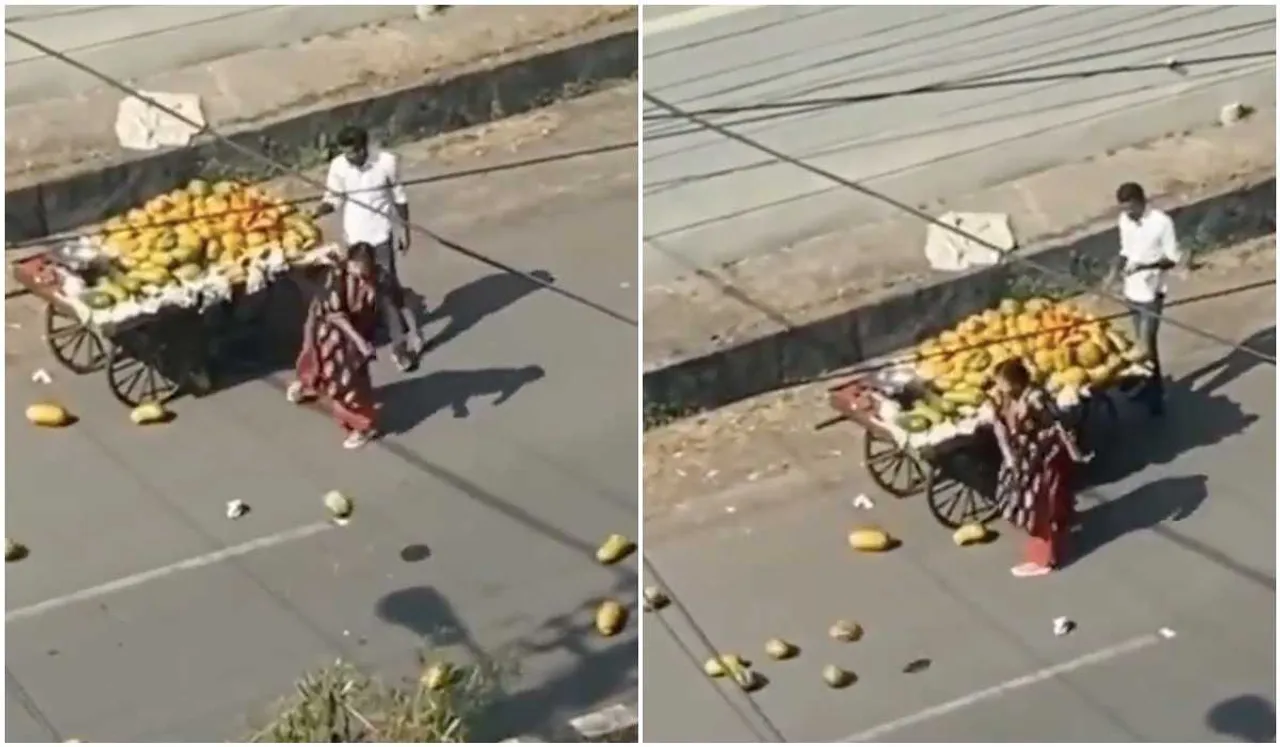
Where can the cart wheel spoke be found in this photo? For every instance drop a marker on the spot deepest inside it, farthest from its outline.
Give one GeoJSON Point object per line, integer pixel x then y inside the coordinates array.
{"type": "Point", "coordinates": [893, 468]}
{"type": "Point", "coordinates": [73, 344]}
{"type": "Point", "coordinates": [135, 373]}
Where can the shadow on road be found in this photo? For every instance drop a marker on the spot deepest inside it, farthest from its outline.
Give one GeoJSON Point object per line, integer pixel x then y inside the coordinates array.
{"type": "Point", "coordinates": [543, 709]}
{"type": "Point", "coordinates": [468, 305]}
{"type": "Point", "coordinates": [1195, 418]}
{"type": "Point", "coordinates": [1244, 718]}
{"type": "Point", "coordinates": [1146, 507]}
{"type": "Point", "coordinates": [1234, 364]}
{"type": "Point", "coordinates": [408, 402]}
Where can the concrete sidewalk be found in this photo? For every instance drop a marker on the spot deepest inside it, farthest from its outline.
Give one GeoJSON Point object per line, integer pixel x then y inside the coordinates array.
{"type": "Point", "coordinates": [406, 80]}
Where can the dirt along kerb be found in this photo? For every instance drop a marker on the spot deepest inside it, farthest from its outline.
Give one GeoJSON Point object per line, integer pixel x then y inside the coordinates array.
{"type": "Point", "coordinates": [405, 81]}
{"type": "Point", "coordinates": [841, 299]}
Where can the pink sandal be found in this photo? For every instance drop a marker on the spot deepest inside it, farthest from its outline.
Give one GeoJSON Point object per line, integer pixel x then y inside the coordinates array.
{"type": "Point", "coordinates": [1030, 570]}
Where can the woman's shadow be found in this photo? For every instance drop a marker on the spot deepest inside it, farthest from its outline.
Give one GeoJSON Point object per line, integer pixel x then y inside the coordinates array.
{"type": "Point", "coordinates": [1145, 507]}
{"type": "Point", "coordinates": [408, 402]}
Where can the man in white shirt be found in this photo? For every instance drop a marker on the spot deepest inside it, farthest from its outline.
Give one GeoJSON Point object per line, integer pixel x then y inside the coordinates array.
{"type": "Point", "coordinates": [359, 180]}
{"type": "Point", "coordinates": [1148, 250]}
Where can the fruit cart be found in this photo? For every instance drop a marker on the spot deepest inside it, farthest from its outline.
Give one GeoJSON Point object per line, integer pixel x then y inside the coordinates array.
{"type": "Point", "coordinates": [927, 429]}
{"type": "Point", "coordinates": [154, 296]}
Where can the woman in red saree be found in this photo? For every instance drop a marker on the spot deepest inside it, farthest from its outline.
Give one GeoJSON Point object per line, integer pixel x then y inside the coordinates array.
{"type": "Point", "coordinates": [1038, 455]}
{"type": "Point", "coordinates": [336, 347]}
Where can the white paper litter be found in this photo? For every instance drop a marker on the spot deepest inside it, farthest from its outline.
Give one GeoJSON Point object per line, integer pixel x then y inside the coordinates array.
{"type": "Point", "coordinates": [41, 376]}
{"type": "Point", "coordinates": [142, 126]}
{"type": "Point", "coordinates": [863, 502]}
{"type": "Point", "coordinates": [949, 251]}
{"type": "Point", "coordinates": [236, 509]}
{"type": "Point", "coordinates": [1062, 626]}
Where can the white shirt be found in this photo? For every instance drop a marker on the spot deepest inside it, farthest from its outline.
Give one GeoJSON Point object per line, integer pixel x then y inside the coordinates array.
{"type": "Point", "coordinates": [1142, 242]}
{"type": "Point", "coordinates": [375, 184]}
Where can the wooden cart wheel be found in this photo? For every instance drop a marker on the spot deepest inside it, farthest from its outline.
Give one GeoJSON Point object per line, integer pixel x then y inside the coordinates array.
{"type": "Point", "coordinates": [73, 343]}
{"type": "Point", "coordinates": [965, 490]}
{"type": "Point", "coordinates": [135, 373]}
{"type": "Point", "coordinates": [895, 469]}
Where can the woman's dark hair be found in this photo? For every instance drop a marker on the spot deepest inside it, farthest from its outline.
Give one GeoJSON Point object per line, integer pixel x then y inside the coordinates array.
{"type": "Point", "coordinates": [361, 252]}
{"type": "Point", "coordinates": [1015, 372]}
{"type": "Point", "coordinates": [353, 137]}
{"type": "Point", "coordinates": [1130, 192]}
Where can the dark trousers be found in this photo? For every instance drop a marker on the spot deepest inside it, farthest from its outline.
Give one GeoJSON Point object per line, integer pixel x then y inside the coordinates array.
{"type": "Point", "coordinates": [397, 314]}
{"type": "Point", "coordinates": [1146, 328]}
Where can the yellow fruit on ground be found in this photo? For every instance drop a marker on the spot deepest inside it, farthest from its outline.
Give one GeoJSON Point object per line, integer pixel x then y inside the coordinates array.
{"type": "Point", "coordinates": [48, 415]}
{"type": "Point", "coordinates": [970, 534]}
{"type": "Point", "coordinates": [615, 548]}
{"type": "Point", "coordinates": [845, 631]}
{"type": "Point", "coordinates": [611, 617]}
{"type": "Point", "coordinates": [199, 188]}
{"type": "Point", "coordinates": [148, 413]}
{"type": "Point", "coordinates": [869, 540]}
{"type": "Point", "coordinates": [780, 650]}
{"type": "Point", "coordinates": [1010, 307]}
{"type": "Point", "coordinates": [836, 677]}
{"type": "Point", "coordinates": [438, 676]}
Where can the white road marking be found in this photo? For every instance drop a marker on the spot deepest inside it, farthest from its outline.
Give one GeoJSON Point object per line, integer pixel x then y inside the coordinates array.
{"type": "Point", "coordinates": [1097, 657]}
{"type": "Point", "coordinates": [687, 18]}
{"type": "Point", "coordinates": [138, 579]}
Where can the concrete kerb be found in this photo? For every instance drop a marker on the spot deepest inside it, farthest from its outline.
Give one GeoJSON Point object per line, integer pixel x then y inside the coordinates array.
{"type": "Point", "coordinates": [407, 114]}
{"type": "Point", "coordinates": [801, 354]}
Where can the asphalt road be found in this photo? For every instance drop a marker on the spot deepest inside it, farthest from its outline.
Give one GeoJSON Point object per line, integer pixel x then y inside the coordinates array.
{"type": "Point", "coordinates": [133, 41]}
{"type": "Point", "coordinates": [1178, 534]}
{"type": "Point", "coordinates": [1026, 104]}
{"type": "Point", "coordinates": [142, 614]}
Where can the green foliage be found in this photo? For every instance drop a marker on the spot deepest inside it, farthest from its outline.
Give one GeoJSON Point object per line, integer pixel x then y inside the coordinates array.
{"type": "Point", "coordinates": [339, 703]}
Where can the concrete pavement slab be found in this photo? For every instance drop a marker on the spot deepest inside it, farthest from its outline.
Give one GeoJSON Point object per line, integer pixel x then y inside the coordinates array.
{"type": "Point", "coordinates": [508, 499]}
{"type": "Point", "coordinates": [1176, 532]}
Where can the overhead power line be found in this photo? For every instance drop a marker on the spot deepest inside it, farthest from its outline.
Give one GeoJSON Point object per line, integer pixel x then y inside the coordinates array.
{"type": "Point", "coordinates": [927, 218]}
{"type": "Point", "coordinates": [286, 169]}
{"type": "Point", "coordinates": [775, 734]}
{"type": "Point", "coordinates": [990, 80]}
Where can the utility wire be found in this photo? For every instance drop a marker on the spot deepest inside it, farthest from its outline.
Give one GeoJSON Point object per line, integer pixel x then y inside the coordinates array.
{"type": "Point", "coordinates": [774, 732]}
{"type": "Point", "coordinates": [1212, 36]}
{"type": "Point", "coordinates": [286, 169]}
{"type": "Point", "coordinates": [989, 80]}
{"type": "Point", "coordinates": [927, 218]}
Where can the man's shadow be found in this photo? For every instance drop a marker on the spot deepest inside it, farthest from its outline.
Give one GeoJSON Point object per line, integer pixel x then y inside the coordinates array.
{"type": "Point", "coordinates": [1234, 364]}
{"type": "Point", "coordinates": [1244, 718]}
{"type": "Point", "coordinates": [408, 402]}
{"type": "Point", "coordinates": [466, 306]}
{"type": "Point", "coordinates": [1194, 419]}
{"type": "Point", "coordinates": [1145, 507]}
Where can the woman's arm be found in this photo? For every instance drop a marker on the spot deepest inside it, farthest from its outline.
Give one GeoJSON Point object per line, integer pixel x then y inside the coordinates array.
{"type": "Point", "coordinates": [343, 323]}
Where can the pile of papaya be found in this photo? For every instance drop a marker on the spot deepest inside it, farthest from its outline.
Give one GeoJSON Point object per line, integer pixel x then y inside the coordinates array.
{"type": "Point", "coordinates": [1064, 347]}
